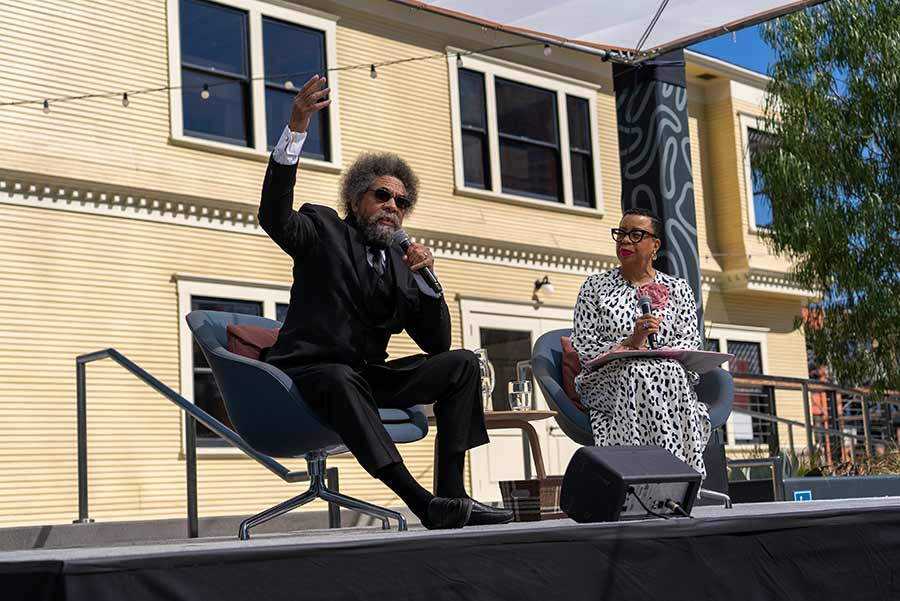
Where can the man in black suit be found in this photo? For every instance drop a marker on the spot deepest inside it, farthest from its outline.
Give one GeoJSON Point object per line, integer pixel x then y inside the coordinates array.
{"type": "Point", "coordinates": [352, 290]}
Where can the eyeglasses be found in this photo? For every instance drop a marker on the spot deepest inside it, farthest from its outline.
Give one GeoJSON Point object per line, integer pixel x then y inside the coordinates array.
{"type": "Point", "coordinates": [383, 195]}
{"type": "Point", "coordinates": [635, 235]}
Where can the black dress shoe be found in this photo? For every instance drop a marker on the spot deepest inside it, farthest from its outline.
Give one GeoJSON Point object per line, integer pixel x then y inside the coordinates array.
{"type": "Point", "coordinates": [448, 513]}
{"type": "Point", "coordinates": [483, 515]}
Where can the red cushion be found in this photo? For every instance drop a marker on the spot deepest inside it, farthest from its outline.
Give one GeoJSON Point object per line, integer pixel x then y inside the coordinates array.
{"type": "Point", "coordinates": [571, 367]}
{"type": "Point", "coordinates": [249, 341]}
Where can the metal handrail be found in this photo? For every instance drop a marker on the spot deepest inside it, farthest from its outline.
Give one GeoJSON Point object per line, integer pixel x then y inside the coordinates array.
{"type": "Point", "coordinates": [194, 414]}
{"type": "Point", "coordinates": [784, 382]}
{"type": "Point", "coordinates": [807, 386]}
{"type": "Point", "coordinates": [790, 423]}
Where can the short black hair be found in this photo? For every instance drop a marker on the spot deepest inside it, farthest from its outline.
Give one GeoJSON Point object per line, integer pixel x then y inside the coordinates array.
{"type": "Point", "coordinates": [654, 220]}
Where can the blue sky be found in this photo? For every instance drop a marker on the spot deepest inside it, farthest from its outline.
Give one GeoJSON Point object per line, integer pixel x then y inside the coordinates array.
{"type": "Point", "coordinates": [747, 50]}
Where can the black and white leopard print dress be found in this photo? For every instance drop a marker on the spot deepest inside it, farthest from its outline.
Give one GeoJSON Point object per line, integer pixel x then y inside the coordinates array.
{"type": "Point", "coordinates": [640, 401]}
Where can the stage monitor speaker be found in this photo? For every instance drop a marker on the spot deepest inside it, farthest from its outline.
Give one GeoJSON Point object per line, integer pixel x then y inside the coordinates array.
{"type": "Point", "coordinates": [606, 484]}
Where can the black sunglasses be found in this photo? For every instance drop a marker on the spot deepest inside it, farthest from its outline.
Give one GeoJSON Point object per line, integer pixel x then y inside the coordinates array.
{"type": "Point", "coordinates": [635, 235]}
{"type": "Point", "coordinates": [383, 195]}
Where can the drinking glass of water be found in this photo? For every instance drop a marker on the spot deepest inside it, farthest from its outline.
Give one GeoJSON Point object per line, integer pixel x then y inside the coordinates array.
{"type": "Point", "coordinates": [520, 395]}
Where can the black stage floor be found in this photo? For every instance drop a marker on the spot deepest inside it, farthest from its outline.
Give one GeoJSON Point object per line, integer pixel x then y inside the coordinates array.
{"type": "Point", "coordinates": [847, 550]}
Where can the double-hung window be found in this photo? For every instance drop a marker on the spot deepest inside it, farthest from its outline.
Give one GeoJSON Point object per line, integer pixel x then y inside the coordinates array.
{"type": "Point", "coordinates": [754, 139]}
{"type": "Point", "coordinates": [524, 135]}
{"type": "Point", "coordinates": [762, 204]}
{"type": "Point", "coordinates": [748, 345]}
{"type": "Point", "coordinates": [236, 65]}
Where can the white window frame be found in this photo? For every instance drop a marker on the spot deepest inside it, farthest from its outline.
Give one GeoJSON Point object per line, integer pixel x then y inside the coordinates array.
{"type": "Point", "coordinates": [256, 10]}
{"type": "Point", "coordinates": [563, 86]}
{"type": "Point", "coordinates": [188, 286]}
{"type": "Point", "coordinates": [748, 122]}
{"type": "Point", "coordinates": [724, 333]}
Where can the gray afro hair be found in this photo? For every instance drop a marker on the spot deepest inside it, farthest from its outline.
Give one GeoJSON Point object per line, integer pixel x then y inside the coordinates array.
{"type": "Point", "coordinates": [366, 168]}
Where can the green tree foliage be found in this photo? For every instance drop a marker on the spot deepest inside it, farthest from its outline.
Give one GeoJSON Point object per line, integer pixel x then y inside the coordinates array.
{"type": "Point", "coordinates": [833, 176]}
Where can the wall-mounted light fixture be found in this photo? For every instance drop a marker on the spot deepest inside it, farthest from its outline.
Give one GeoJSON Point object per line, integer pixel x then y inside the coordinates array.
{"type": "Point", "coordinates": [542, 287]}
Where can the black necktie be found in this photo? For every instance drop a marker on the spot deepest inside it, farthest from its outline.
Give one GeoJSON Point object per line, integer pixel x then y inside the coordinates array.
{"type": "Point", "coordinates": [376, 257]}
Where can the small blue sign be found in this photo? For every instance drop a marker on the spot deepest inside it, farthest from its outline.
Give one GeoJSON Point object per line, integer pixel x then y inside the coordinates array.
{"type": "Point", "coordinates": [803, 495]}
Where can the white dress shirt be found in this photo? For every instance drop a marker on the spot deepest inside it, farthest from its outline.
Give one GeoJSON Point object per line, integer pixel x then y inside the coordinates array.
{"type": "Point", "coordinates": [287, 152]}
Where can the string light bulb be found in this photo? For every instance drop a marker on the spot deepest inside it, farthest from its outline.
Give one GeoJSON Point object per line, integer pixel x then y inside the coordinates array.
{"type": "Point", "coordinates": [547, 50]}
{"type": "Point", "coordinates": [46, 106]}
{"type": "Point", "coordinates": [372, 72]}
{"type": "Point", "coordinates": [459, 63]}
{"type": "Point", "coordinates": [125, 99]}
{"type": "Point", "coordinates": [204, 94]}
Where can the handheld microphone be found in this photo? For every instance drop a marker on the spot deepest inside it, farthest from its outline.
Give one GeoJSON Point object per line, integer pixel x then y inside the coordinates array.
{"type": "Point", "coordinates": [402, 238]}
{"type": "Point", "coordinates": [644, 304]}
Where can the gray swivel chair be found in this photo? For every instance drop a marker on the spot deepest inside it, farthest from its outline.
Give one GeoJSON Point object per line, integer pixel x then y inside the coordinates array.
{"type": "Point", "coordinates": [716, 389]}
{"type": "Point", "coordinates": [269, 414]}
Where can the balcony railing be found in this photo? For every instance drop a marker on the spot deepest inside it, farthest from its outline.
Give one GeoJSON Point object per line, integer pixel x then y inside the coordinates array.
{"type": "Point", "coordinates": [839, 421]}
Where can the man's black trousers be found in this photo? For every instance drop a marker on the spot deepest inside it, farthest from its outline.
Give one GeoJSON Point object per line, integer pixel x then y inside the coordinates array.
{"type": "Point", "coordinates": [348, 399]}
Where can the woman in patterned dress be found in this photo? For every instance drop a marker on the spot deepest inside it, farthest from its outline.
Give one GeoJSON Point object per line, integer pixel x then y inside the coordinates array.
{"type": "Point", "coordinates": [642, 401]}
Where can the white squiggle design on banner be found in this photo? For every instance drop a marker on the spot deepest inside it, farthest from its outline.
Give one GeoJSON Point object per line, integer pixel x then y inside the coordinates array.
{"type": "Point", "coordinates": [658, 131]}
{"type": "Point", "coordinates": [686, 154]}
{"type": "Point", "coordinates": [649, 193]}
{"type": "Point", "coordinates": [667, 172]}
{"type": "Point", "coordinates": [662, 119]}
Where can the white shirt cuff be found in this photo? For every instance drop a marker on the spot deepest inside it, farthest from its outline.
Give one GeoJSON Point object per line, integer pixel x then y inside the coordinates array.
{"type": "Point", "coordinates": [287, 151]}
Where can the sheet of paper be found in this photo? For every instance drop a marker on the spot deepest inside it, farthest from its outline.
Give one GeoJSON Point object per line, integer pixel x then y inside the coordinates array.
{"type": "Point", "coordinates": [696, 361]}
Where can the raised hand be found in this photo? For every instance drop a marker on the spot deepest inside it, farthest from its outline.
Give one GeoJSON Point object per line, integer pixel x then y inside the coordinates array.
{"type": "Point", "coordinates": [309, 100]}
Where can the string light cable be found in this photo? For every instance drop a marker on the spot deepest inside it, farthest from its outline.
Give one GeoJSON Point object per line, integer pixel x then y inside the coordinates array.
{"type": "Point", "coordinates": [127, 96]}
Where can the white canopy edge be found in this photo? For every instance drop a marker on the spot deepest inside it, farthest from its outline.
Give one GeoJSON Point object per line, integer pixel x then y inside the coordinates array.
{"type": "Point", "coordinates": [571, 23]}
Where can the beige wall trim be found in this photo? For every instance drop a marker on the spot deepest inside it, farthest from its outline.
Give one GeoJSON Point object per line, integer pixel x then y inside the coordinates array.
{"type": "Point", "coordinates": [451, 246]}
{"type": "Point", "coordinates": [513, 307]}
{"type": "Point", "coordinates": [729, 70]}
{"type": "Point", "coordinates": [202, 279]}
{"type": "Point", "coordinates": [41, 191]}
{"type": "Point", "coordinates": [25, 189]}
{"type": "Point", "coordinates": [33, 190]}
{"type": "Point", "coordinates": [757, 280]}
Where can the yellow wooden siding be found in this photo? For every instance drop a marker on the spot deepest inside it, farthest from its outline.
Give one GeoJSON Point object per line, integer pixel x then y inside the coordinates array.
{"type": "Point", "coordinates": [696, 124]}
{"type": "Point", "coordinates": [74, 283]}
{"type": "Point", "coordinates": [406, 110]}
{"type": "Point", "coordinates": [721, 163]}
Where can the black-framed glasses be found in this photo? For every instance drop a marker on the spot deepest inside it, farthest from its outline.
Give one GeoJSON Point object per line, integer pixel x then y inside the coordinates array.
{"type": "Point", "coordinates": [383, 195]}
{"type": "Point", "coordinates": [635, 235]}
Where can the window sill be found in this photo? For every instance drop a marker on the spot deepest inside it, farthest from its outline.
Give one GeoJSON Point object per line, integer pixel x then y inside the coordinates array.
{"type": "Point", "coordinates": [248, 153]}
{"type": "Point", "coordinates": [528, 202]}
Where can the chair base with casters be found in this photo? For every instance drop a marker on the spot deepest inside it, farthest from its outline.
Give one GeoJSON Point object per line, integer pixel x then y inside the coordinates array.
{"type": "Point", "coordinates": [319, 490]}
{"type": "Point", "coordinates": [271, 419]}
{"type": "Point", "coordinates": [716, 389]}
